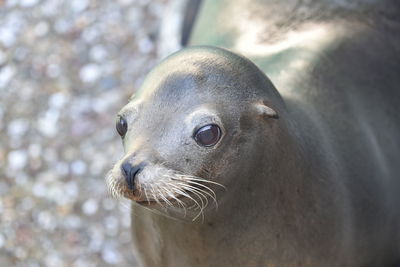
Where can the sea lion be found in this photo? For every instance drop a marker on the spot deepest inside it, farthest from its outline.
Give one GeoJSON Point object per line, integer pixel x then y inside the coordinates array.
{"type": "Point", "coordinates": [303, 169]}
{"type": "Point", "coordinates": [287, 197]}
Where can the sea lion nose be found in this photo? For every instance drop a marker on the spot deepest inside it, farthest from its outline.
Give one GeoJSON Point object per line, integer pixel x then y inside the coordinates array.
{"type": "Point", "coordinates": [130, 172]}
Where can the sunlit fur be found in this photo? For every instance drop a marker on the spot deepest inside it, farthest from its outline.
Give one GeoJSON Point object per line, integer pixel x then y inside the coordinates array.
{"type": "Point", "coordinates": [168, 188]}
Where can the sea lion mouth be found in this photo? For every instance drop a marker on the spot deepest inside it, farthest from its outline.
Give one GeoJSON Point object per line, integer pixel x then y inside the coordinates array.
{"type": "Point", "coordinates": [152, 203]}
{"type": "Point", "coordinates": [193, 203]}
{"type": "Point", "coordinates": [160, 187]}
{"type": "Point", "coordinates": [195, 191]}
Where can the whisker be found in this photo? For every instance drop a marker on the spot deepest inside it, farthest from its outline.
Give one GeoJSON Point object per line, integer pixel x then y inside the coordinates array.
{"type": "Point", "coordinates": [147, 197]}
{"type": "Point", "coordinates": [164, 198]}
{"type": "Point", "coordinates": [185, 194]}
{"type": "Point", "coordinates": [171, 194]}
{"type": "Point", "coordinates": [190, 188]}
{"type": "Point", "coordinates": [166, 187]}
{"type": "Point", "coordinates": [199, 195]}
{"type": "Point", "coordinates": [181, 203]}
{"type": "Point", "coordinates": [155, 198]}
{"type": "Point", "coordinates": [211, 194]}
{"type": "Point", "coordinates": [199, 184]}
{"type": "Point", "coordinates": [195, 178]}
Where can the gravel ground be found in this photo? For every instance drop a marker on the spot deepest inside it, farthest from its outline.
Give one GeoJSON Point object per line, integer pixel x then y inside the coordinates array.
{"type": "Point", "coordinates": [66, 68]}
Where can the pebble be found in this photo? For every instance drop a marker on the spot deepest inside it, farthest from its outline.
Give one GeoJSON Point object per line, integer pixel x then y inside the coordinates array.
{"type": "Point", "coordinates": [82, 262]}
{"type": "Point", "coordinates": [28, 3]}
{"type": "Point", "coordinates": [1, 117]}
{"type": "Point", "coordinates": [145, 45]}
{"type": "Point", "coordinates": [111, 225]}
{"type": "Point", "coordinates": [21, 53]}
{"type": "Point", "coordinates": [34, 150]}
{"type": "Point", "coordinates": [90, 73]}
{"type": "Point", "coordinates": [21, 178]}
{"type": "Point", "coordinates": [3, 57]}
{"type": "Point", "coordinates": [6, 74]}
{"type": "Point", "coordinates": [78, 167]}
{"type": "Point", "coordinates": [17, 128]}
{"type": "Point", "coordinates": [41, 29]}
{"type": "Point", "coordinates": [20, 253]}
{"type": "Point", "coordinates": [53, 70]}
{"type": "Point", "coordinates": [78, 6]}
{"type": "Point", "coordinates": [108, 204]}
{"type": "Point", "coordinates": [125, 2]}
{"type": "Point", "coordinates": [62, 168]}
{"type": "Point", "coordinates": [48, 122]}
{"type": "Point", "coordinates": [66, 68]}
{"type": "Point", "coordinates": [39, 189]}
{"type": "Point", "coordinates": [62, 26]}
{"type": "Point", "coordinates": [98, 53]}
{"type": "Point", "coordinates": [27, 204]}
{"type": "Point", "coordinates": [53, 260]}
{"type": "Point", "coordinates": [50, 155]}
{"type": "Point", "coordinates": [96, 239]}
{"type": "Point", "coordinates": [17, 159]}
{"type": "Point", "coordinates": [11, 3]}
{"type": "Point", "coordinates": [71, 189]}
{"type": "Point", "coordinates": [58, 100]}
{"type": "Point", "coordinates": [46, 221]}
{"type": "Point", "coordinates": [73, 222]}
{"type": "Point", "coordinates": [4, 188]}
{"type": "Point", "coordinates": [2, 240]}
{"type": "Point", "coordinates": [110, 255]}
{"type": "Point", "coordinates": [7, 36]}
{"type": "Point", "coordinates": [90, 207]}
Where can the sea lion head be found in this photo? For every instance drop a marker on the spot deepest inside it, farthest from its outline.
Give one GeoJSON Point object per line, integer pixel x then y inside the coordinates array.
{"type": "Point", "coordinates": [191, 131]}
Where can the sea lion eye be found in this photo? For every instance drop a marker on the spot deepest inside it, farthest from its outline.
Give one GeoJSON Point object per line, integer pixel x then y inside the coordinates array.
{"type": "Point", "coordinates": [208, 135]}
{"type": "Point", "coordinates": [121, 125]}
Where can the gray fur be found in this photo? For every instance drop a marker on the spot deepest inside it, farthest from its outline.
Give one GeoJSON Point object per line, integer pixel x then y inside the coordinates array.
{"type": "Point", "coordinates": [316, 185]}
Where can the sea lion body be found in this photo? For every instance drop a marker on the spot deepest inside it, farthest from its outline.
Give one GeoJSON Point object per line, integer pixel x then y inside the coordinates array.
{"type": "Point", "coordinates": [316, 184]}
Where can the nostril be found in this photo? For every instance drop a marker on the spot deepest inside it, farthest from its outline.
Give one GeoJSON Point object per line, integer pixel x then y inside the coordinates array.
{"type": "Point", "coordinates": [134, 171]}
{"type": "Point", "coordinates": [126, 168]}
{"type": "Point", "coordinates": [130, 172]}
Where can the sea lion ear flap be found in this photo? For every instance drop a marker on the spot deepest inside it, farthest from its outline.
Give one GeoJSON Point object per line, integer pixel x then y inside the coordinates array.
{"type": "Point", "coordinates": [265, 111]}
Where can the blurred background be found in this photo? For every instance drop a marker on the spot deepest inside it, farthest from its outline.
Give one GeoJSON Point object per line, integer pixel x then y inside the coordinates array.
{"type": "Point", "coordinates": [66, 68]}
